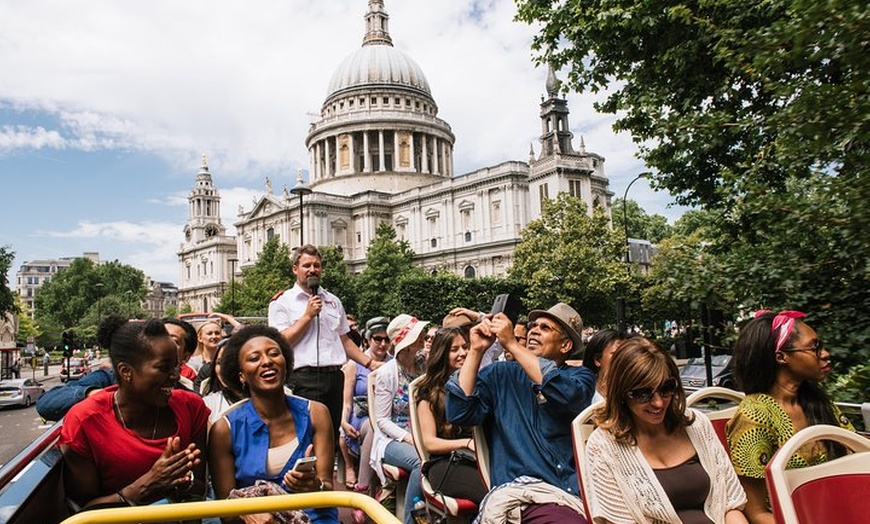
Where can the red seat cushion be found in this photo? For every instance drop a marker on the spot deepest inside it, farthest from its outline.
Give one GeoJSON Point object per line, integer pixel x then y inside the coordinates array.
{"type": "Point", "coordinates": [463, 506]}
{"type": "Point", "coordinates": [395, 473]}
{"type": "Point", "coordinates": [843, 499]}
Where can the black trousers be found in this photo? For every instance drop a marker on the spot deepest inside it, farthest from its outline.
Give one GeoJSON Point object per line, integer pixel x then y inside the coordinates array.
{"type": "Point", "coordinates": [325, 385]}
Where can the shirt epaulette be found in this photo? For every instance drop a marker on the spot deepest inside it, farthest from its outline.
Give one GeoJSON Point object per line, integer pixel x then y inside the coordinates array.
{"type": "Point", "coordinates": [278, 294]}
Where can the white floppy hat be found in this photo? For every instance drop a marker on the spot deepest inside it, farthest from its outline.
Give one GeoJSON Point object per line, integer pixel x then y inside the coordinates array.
{"type": "Point", "coordinates": [404, 330]}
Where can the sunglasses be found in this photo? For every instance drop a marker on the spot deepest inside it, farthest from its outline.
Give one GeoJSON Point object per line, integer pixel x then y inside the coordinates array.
{"type": "Point", "coordinates": [645, 395]}
{"type": "Point", "coordinates": [381, 340]}
{"type": "Point", "coordinates": [817, 347]}
{"type": "Point", "coordinates": [428, 338]}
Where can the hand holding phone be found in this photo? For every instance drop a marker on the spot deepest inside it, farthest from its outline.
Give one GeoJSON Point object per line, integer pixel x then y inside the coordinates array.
{"type": "Point", "coordinates": [305, 464]}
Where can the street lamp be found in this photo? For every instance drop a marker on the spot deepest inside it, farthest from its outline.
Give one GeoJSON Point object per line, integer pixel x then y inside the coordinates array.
{"type": "Point", "coordinates": [233, 285]}
{"type": "Point", "coordinates": [620, 301]}
{"type": "Point", "coordinates": [301, 189]}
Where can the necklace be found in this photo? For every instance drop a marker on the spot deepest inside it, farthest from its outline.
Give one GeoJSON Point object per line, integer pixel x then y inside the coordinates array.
{"type": "Point", "coordinates": [124, 423]}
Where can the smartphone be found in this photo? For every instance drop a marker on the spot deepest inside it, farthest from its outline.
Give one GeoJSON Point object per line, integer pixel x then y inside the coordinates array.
{"type": "Point", "coordinates": [507, 304]}
{"type": "Point", "coordinates": [305, 464]}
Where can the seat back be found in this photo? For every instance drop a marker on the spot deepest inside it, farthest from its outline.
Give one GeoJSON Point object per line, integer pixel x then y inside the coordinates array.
{"type": "Point", "coordinates": [581, 428]}
{"type": "Point", "coordinates": [720, 417]}
{"type": "Point", "coordinates": [837, 490]}
{"type": "Point", "coordinates": [370, 394]}
{"type": "Point", "coordinates": [481, 450]}
{"type": "Point", "coordinates": [416, 432]}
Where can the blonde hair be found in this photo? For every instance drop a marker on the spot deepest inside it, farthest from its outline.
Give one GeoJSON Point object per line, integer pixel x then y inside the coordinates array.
{"type": "Point", "coordinates": [639, 363]}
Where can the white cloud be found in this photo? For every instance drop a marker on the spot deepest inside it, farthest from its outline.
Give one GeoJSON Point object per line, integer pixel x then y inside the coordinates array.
{"type": "Point", "coordinates": [146, 232]}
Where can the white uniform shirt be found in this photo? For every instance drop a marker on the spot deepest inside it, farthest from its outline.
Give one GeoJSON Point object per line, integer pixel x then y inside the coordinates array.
{"type": "Point", "coordinates": [289, 307]}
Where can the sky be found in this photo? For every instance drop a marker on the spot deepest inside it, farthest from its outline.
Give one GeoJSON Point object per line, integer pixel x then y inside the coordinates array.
{"type": "Point", "coordinates": [106, 108]}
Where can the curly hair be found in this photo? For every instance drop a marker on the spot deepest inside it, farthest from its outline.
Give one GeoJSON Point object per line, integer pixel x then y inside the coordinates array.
{"type": "Point", "coordinates": [231, 368]}
{"type": "Point", "coordinates": [639, 363]}
{"type": "Point", "coordinates": [438, 371]}
{"type": "Point", "coordinates": [128, 340]}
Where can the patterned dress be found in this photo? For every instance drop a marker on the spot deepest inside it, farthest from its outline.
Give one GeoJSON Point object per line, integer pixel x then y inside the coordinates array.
{"type": "Point", "coordinates": [759, 428]}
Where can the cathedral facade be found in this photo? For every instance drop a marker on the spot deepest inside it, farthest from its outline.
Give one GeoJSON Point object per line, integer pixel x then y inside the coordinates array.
{"type": "Point", "coordinates": [380, 154]}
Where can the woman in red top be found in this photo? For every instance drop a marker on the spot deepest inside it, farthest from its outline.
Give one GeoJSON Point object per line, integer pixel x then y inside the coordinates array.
{"type": "Point", "coordinates": [139, 441]}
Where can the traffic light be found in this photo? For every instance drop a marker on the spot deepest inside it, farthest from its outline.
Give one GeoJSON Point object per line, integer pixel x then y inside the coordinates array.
{"type": "Point", "coordinates": [67, 344]}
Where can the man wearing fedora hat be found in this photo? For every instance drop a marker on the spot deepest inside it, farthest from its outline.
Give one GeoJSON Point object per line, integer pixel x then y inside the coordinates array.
{"type": "Point", "coordinates": [525, 406]}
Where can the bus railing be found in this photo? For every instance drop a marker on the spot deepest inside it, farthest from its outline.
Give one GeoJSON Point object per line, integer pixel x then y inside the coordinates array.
{"type": "Point", "coordinates": [234, 507]}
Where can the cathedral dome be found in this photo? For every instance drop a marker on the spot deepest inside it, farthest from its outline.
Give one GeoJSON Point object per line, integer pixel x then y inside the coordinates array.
{"type": "Point", "coordinates": [378, 65]}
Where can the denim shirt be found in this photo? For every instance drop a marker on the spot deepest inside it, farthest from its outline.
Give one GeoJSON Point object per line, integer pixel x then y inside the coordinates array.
{"type": "Point", "coordinates": [528, 426]}
{"type": "Point", "coordinates": [250, 442]}
{"type": "Point", "coordinates": [59, 399]}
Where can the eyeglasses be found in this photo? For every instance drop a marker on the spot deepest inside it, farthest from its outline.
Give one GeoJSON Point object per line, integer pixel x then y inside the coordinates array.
{"type": "Point", "coordinates": [428, 338]}
{"type": "Point", "coordinates": [645, 395]}
{"type": "Point", "coordinates": [817, 347]}
{"type": "Point", "coordinates": [381, 340]}
{"type": "Point", "coordinates": [543, 326]}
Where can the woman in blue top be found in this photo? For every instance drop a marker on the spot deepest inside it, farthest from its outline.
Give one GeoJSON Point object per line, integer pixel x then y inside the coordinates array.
{"type": "Point", "coordinates": [261, 438]}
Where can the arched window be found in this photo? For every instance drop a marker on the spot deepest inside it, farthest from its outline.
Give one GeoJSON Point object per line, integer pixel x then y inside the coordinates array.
{"type": "Point", "coordinates": [469, 272]}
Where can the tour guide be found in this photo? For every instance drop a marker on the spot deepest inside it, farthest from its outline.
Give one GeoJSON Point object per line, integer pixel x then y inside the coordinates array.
{"type": "Point", "coordinates": [314, 323]}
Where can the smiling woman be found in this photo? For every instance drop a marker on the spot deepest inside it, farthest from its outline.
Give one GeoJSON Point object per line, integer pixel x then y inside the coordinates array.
{"type": "Point", "coordinates": [651, 459]}
{"type": "Point", "coordinates": [261, 439]}
{"type": "Point", "coordinates": [139, 441]}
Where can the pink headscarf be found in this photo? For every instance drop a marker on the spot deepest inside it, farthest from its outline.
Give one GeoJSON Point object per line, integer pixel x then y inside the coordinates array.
{"type": "Point", "coordinates": [784, 320]}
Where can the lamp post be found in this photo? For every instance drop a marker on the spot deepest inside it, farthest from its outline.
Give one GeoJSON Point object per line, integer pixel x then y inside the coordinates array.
{"type": "Point", "coordinates": [301, 189]}
{"type": "Point", "coordinates": [233, 285]}
{"type": "Point", "coordinates": [620, 301]}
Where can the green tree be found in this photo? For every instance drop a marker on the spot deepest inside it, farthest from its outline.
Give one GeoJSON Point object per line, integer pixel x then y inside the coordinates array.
{"type": "Point", "coordinates": [337, 278]}
{"type": "Point", "coordinates": [569, 256]}
{"type": "Point", "coordinates": [27, 327]}
{"type": "Point", "coordinates": [640, 225]}
{"type": "Point", "coordinates": [722, 95]}
{"type": "Point", "coordinates": [431, 297]}
{"type": "Point", "coordinates": [69, 299]}
{"type": "Point", "coordinates": [270, 274]}
{"type": "Point", "coordinates": [387, 261]}
{"type": "Point", "coordinates": [7, 297]}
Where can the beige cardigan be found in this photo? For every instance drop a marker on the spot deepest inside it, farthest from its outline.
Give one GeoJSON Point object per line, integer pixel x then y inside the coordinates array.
{"type": "Point", "coordinates": [625, 489]}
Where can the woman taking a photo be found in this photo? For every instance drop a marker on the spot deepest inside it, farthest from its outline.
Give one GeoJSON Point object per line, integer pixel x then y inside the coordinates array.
{"type": "Point", "coordinates": [452, 467]}
{"type": "Point", "coordinates": [651, 459]}
{"type": "Point", "coordinates": [139, 441]}
{"type": "Point", "coordinates": [778, 361]}
{"type": "Point", "coordinates": [263, 437]}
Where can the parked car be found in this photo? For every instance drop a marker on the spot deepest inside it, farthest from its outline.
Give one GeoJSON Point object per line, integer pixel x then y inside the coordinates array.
{"type": "Point", "coordinates": [694, 373]}
{"type": "Point", "coordinates": [20, 391]}
{"type": "Point", "coordinates": [79, 366]}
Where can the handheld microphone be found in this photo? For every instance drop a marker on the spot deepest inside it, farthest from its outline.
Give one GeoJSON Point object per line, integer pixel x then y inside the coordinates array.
{"type": "Point", "coordinates": [313, 284]}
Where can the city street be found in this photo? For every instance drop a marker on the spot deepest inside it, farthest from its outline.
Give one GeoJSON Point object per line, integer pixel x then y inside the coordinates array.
{"type": "Point", "coordinates": [19, 426]}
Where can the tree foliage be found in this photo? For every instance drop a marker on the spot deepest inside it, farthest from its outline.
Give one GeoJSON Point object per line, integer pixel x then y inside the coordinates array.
{"type": "Point", "coordinates": [27, 327]}
{"type": "Point", "coordinates": [7, 297]}
{"type": "Point", "coordinates": [387, 261]}
{"type": "Point", "coordinates": [571, 257]}
{"type": "Point", "coordinates": [725, 97]}
{"type": "Point", "coordinates": [337, 278]}
{"type": "Point", "coordinates": [431, 297]}
{"type": "Point", "coordinates": [640, 224]}
{"type": "Point", "coordinates": [70, 299]}
{"type": "Point", "coordinates": [270, 274]}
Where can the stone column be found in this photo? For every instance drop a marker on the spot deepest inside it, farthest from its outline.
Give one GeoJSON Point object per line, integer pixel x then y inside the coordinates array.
{"type": "Point", "coordinates": [396, 166]}
{"type": "Point", "coordinates": [329, 169]}
{"type": "Point", "coordinates": [352, 153]}
{"type": "Point", "coordinates": [367, 154]}
{"type": "Point", "coordinates": [381, 158]}
{"type": "Point", "coordinates": [424, 163]}
{"type": "Point", "coordinates": [411, 149]}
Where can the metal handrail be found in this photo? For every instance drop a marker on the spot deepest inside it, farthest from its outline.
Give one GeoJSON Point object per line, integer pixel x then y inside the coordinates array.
{"type": "Point", "coordinates": [36, 448]}
{"type": "Point", "coordinates": [234, 507]}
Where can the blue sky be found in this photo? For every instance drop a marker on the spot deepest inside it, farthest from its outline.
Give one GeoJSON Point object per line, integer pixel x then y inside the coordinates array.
{"type": "Point", "coordinates": [106, 108]}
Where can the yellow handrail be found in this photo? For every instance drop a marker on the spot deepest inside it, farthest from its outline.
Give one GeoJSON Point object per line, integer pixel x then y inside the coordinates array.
{"type": "Point", "coordinates": [233, 507]}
